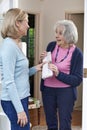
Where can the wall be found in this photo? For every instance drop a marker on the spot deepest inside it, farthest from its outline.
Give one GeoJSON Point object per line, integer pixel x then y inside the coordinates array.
{"type": "Point", "coordinates": [30, 5]}
{"type": "Point", "coordinates": [55, 10]}
{"type": "Point", "coordinates": [51, 10]}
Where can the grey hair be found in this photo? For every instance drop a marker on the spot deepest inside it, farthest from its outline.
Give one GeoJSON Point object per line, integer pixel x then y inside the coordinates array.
{"type": "Point", "coordinates": [70, 32]}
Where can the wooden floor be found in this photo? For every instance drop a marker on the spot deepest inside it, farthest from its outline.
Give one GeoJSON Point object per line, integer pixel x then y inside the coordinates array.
{"type": "Point", "coordinates": [76, 117]}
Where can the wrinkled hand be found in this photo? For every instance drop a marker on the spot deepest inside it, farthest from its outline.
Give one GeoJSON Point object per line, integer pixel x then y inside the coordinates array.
{"type": "Point", "coordinates": [22, 119]}
{"type": "Point", "coordinates": [53, 68]}
{"type": "Point", "coordinates": [43, 54]}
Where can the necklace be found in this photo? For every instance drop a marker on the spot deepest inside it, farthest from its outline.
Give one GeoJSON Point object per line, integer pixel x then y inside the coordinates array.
{"type": "Point", "coordinates": [62, 58]}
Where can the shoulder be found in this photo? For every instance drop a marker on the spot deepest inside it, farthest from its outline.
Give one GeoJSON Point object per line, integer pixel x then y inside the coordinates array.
{"type": "Point", "coordinates": [52, 43]}
{"type": "Point", "coordinates": [8, 47]}
{"type": "Point", "coordinates": [51, 46]}
{"type": "Point", "coordinates": [78, 51]}
{"type": "Point", "coordinates": [77, 55]}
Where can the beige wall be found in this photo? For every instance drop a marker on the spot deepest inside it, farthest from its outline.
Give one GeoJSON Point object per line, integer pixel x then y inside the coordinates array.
{"type": "Point", "coordinates": [30, 5]}
{"type": "Point", "coordinates": [55, 10]}
{"type": "Point", "coordinates": [51, 10]}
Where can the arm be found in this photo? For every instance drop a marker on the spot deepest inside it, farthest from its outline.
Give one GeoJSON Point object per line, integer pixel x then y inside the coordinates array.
{"type": "Point", "coordinates": [75, 77]}
{"type": "Point", "coordinates": [9, 61]}
{"type": "Point", "coordinates": [50, 47]}
{"type": "Point", "coordinates": [32, 71]}
{"type": "Point", "coordinates": [35, 69]}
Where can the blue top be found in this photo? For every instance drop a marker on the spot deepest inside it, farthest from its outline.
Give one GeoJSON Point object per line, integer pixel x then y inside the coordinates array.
{"type": "Point", "coordinates": [14, 73]}
{"type": "Point", "coordinates": [76, 69]}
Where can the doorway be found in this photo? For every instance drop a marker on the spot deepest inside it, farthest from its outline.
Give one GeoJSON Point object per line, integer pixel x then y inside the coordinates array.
{"type": "Point", "coordinates": [33, 50]}
{"type": "Point", "coordinates": [78, 19]}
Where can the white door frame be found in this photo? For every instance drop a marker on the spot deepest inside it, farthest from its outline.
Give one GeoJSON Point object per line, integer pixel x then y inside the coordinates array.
{"type": "Point", "coordinates": [84, 105]}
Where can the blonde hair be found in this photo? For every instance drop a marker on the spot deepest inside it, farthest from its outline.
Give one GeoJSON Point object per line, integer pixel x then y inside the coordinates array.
{"type": "Point", "coordinates": [70, 32]}
{"type": "Point", "coordinates": [9, 28]}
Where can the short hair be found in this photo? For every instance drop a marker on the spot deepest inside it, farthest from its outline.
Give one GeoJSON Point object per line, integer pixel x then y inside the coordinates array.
{"type": "Point", "coordinates": [70, 32]}
{"type": "Point", "coordinates": [9, 28]}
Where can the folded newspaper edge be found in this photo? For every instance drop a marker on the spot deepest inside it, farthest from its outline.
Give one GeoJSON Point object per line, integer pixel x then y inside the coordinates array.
{"type": "Point", "coordinates": [46, 72]}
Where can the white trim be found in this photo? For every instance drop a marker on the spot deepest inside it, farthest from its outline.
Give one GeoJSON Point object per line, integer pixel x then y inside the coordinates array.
{"type": "Point", "coordinates": [84, 112]}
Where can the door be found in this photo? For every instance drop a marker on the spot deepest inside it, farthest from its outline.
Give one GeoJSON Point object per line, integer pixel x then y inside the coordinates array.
{"type": "Point", "coordinates": [78, 19]}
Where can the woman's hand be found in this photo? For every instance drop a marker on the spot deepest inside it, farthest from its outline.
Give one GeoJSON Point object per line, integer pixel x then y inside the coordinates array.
{"type": "Point", "coordinates": [22, 119]}
{"type": "Point", "coordinates": [43, 54]}
{"type": "Point", "coordinates": [54, 69]}
{"type": "Point", "coordinates": [39, 67]}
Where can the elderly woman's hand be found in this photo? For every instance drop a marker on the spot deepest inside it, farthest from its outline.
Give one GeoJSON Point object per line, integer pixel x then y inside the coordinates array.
{"type": "Point", "coordinates": [42, 56]}
{"type": "Point", "coordinates": [54, 68]}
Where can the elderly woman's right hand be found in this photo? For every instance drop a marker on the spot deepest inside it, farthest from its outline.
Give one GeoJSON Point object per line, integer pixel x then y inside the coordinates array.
{"type": "Point", "coordinates": [22, 119]}
{"type": "Point", "coordinates": [54, 68]}
{"type": "Point", "coordinates": [43, 54]}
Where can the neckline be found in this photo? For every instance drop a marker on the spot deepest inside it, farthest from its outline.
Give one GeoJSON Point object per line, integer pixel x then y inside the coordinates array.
{"type": "Point", "coordinates": [63, 57]}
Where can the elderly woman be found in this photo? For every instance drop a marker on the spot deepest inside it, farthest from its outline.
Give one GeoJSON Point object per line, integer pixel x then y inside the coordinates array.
{"type": "Point", "coordinates": [59, 92]}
